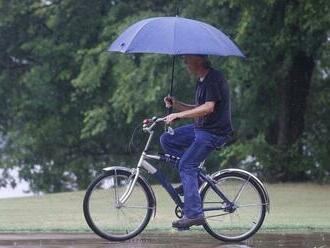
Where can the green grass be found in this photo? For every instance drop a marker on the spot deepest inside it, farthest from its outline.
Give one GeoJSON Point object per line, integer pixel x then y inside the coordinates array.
{"type": "Point", "coordinates": [294, 207]}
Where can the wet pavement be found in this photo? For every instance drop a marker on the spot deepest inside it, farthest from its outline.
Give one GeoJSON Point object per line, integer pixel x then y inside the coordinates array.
{"type": "Point", "coordinates": [160, 240]}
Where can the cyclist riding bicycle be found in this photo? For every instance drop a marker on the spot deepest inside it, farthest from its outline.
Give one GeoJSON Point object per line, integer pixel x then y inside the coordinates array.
{"type": "Point", "coordinates": [193, 143]}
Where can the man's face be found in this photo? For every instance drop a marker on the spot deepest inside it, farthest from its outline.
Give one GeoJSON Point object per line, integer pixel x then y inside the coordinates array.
{"type": "Point", "coordinates": [194, 63]}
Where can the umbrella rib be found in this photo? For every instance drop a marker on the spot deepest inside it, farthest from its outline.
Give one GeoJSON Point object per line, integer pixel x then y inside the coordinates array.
{"type": "Point", "coordinates": [138, 31]}
{"type": "Point", "coordinates": [219, 39]}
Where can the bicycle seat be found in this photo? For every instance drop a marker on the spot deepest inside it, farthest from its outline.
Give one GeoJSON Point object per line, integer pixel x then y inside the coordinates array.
{"type": "Point", "coordinates": [230, 139]}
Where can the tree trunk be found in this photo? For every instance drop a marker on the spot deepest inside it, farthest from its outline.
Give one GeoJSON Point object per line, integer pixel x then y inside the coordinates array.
{"type": "Point", "coordinates": [289, 123]}
{"type": "Point", "coordinates": [292, 92]}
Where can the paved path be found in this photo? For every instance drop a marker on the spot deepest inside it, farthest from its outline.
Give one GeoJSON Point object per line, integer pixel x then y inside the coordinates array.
{"type": "Point", "coordinates": [162, 240]}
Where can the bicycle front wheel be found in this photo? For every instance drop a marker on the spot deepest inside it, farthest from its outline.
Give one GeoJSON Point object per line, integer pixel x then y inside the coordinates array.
{"type": "Point", "coordinates": [248, 212]}
{"type": "Point", "coordinates": [110, 219]}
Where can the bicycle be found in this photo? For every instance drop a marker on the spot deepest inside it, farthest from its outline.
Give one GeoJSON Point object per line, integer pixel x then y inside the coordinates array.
{"type": "Point", "coordinates": [119, 203]}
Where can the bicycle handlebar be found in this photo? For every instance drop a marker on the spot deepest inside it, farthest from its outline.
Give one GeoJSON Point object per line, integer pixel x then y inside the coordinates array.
{"type": "Point", "coordinates": [149, 124]}
{"type": "Point", "coordinates": [153, 120]}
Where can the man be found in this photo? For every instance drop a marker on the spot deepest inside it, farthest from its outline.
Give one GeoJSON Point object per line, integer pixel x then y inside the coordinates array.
{"type": "Point", "coordinates": [193, 143]}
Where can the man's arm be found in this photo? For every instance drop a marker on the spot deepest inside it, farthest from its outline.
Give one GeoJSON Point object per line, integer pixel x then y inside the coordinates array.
{"type": "Point", "coordinates": [181, 106]}
{"type": "Point", "coordinates": [204, 109]}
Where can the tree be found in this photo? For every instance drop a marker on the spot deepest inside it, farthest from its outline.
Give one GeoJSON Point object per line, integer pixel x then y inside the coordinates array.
{"type": "Point", "coordinates": [68, 108]}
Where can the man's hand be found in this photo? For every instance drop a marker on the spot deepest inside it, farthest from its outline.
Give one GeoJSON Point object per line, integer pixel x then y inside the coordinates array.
{"type": "Point", "coordinates": [172, 117]}
{"type": "Point", "coordinates": [169, 101]}
{"type": "Point", "coordinates": [202, 110]}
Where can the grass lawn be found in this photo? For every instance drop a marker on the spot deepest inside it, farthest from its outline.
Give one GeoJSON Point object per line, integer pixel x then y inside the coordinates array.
{"type": "Point", "coordinates": [294, 207]}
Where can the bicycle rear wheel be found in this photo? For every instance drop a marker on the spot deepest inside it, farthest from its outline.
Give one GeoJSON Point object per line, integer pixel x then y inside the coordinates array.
{"type": "Point", "coordinates": [113, 221]}
{"type": "Point", "coordinates": [247, 215]}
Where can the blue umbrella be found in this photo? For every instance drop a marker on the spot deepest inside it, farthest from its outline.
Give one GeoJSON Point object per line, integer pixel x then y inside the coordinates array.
{"type": "Point", "coordinates": [174, 36]}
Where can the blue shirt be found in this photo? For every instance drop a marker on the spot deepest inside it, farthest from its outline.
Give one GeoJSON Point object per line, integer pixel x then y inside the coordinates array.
{"type": "Point", "coordinates": [214, 88]}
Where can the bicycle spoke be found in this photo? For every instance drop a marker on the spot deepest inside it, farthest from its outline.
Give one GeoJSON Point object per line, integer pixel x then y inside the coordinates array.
{"type": "Point", "coordinates": [128, 223]}
{"type": "Point", "coordinates": [115, 187]}
{"type": "Point", "coordinates": [217, 215]}
{"type": "Point", "coordinates": [250, 205]}
{"type": "Point", "coordinates": [140, 207]}
{"type": "Point", "coordinates": [240, 191]}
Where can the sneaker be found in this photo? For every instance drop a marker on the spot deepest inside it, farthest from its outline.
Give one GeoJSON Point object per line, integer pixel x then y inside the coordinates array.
{"type": "Point", "coordinates": [186, 222]}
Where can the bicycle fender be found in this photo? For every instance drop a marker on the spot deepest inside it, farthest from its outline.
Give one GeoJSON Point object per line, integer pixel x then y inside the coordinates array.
{"type": "Point", "coordinates": [246, 173]}
{"type": "Point", "coordinates": [132, 171]}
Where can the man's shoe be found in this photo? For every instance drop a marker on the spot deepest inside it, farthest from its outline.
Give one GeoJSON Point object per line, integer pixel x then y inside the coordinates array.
{"type": "Point", "coordinates": [185, 222]}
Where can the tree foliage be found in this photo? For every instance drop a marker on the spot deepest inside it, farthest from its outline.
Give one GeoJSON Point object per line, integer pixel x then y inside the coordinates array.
{"type": "Point", "coordinates": [68, 108]}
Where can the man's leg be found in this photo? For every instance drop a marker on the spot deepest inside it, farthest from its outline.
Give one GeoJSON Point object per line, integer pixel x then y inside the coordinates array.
{"type": "Point", "coordinates": [176, 144]}
{"type": "Point", "coordinates": [191, 159]}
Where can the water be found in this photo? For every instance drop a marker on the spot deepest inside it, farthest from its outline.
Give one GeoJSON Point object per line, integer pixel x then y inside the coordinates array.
{"type": "Point", "coordinates": [173, 240]}
{"type": "Point", "coordinates": [20, 190]}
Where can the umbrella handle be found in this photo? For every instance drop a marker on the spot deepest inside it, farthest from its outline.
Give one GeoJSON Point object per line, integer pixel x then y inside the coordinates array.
{"type": "Point", "coordinates": [170, 109]}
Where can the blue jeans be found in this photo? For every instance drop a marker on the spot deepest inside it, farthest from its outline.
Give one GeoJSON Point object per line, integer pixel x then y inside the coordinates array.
{"type": "Point", "coordinates": [192, 146]}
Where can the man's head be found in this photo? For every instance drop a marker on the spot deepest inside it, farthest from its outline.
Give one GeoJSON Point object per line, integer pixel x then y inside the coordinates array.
{"type": "Point", "coordinates": [197, 64]}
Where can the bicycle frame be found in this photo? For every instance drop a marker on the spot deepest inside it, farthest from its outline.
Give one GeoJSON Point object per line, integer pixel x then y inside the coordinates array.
{"type": "Point", "coordinates": [144, 164]}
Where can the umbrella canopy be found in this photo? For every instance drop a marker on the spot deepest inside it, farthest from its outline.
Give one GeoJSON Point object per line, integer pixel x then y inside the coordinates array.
{"type": "Point", "coordinates": [174, 36]}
